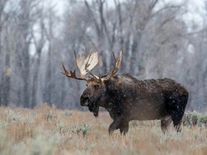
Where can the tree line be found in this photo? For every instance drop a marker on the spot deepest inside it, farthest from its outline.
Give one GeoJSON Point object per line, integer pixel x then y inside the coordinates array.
{"type": "Point", "coordinates": [156, 39]}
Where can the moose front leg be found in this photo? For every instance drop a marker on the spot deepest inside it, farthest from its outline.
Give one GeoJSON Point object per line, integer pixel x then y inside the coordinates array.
{"type": "Point", "coordinates": [114, 125]}
{"type": "Point", "coordinates": [124, 127]}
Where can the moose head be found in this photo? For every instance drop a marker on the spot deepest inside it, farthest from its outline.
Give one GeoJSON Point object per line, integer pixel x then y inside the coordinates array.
{"type": "Point", "coordinates": [95, 93]}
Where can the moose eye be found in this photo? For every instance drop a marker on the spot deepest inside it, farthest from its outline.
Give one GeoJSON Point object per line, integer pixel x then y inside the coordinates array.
{"type": "Point", "coordinates": [96, 86]}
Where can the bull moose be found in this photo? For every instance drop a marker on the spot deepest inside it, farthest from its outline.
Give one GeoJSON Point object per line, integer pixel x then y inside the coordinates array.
{"type": "Point", "coordinates": [127, 98]}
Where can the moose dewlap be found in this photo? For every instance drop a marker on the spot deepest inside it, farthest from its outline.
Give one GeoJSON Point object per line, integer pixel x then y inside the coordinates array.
{"type": "Point", "coordinates": [127, 98]}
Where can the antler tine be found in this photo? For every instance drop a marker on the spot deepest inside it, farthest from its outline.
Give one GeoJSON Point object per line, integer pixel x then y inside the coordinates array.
{"type": "Point", "coordinates": [115, 69]}
{"type": "Point", "coordinates": [117, 63]}
{"type": "Point", "coordinates": [116, 66]}
{"type": "Point", "coordinates": [71, 74]}
{"type": "Point", "coordinates": [88, 71]}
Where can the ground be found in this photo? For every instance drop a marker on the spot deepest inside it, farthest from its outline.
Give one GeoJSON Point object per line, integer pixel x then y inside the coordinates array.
{"type": "Point", "coordinates": [50, 131]}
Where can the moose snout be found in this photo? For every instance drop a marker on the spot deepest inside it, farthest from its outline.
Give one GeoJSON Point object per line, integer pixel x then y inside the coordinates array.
{"type": "Point", "coordinates": [85, 97]}
{"type": "Point", "coordinates": [84, 100]}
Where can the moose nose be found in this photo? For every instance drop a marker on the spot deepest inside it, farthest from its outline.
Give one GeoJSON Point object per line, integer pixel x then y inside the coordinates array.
{"type": "Point", "coordinates": [84, 101]}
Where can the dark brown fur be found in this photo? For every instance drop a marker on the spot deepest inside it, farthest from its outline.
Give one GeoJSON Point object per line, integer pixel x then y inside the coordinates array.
{"type": "Point", "coordinates": [126, 99]}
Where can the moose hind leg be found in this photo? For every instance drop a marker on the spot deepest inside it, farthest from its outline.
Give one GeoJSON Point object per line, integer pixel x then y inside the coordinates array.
{"type": "Point", "coordinates": [176, 108]}
{"type": "Point", "coordinates": [165, 123]}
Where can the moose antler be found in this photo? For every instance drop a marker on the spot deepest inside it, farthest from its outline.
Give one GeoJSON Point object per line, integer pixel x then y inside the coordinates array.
{"type": "Point", "coordinates": [116, 66]}
{"type": "Point", "coordinates": [85, 65]}
{"type": "Point", "coordinates": [71, 74]}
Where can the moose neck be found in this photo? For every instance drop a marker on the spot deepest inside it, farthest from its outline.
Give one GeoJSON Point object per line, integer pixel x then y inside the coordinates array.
{"type": "Point", "coordinates": [113, 95]}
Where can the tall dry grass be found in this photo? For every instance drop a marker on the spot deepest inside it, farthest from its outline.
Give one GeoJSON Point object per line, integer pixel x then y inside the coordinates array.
{"type": "Point", "coordinates": [49, 131]}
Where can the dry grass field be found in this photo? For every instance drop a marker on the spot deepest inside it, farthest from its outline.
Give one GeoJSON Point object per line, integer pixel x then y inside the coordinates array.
{"type": "Point", "coordinates": [49, 131]}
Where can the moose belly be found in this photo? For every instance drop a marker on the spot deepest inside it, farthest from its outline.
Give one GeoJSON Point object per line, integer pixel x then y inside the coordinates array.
{"type": "Point", "coordinates": [146, 109]}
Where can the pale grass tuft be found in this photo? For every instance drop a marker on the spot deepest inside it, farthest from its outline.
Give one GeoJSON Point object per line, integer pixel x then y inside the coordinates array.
{"type": "Point", "coordinates": [20, 131]}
